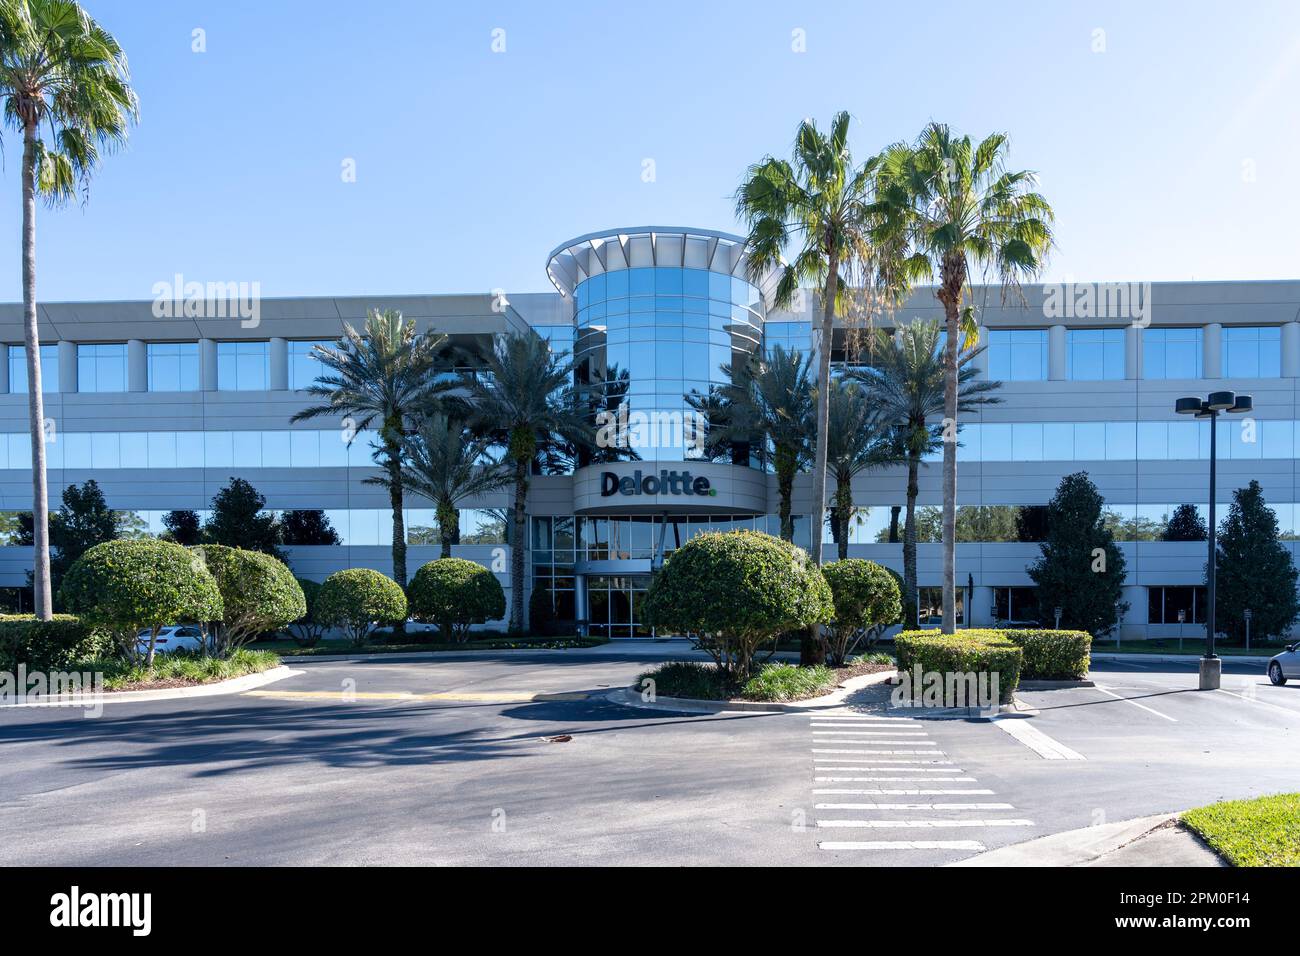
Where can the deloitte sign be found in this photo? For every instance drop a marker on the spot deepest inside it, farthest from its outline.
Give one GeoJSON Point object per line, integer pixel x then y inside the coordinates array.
{"type": "Point", "coordinates": [665, 483]}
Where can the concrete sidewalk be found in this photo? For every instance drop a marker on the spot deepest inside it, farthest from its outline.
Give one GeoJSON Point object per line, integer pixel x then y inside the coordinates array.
{"type": "Point", "coordinates": [1158, 840]}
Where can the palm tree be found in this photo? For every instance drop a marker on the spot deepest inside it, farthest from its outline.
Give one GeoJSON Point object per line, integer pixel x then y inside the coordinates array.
{"type": "Point", "coordinates": [859, 439]}
{"type": "Point", "coordinates": [949, 207]}
{"type": "Point", "coordinates": [906, 382]}
{"type": "Point", "coordinates": [384, 375]}
{"type": "Point", "coordinates": [525, 402]}
{"type": "Point", "coordinates": [771, 404]}
{"type": "Point", "coordinates": [447, 464]}
{"type": "Point", "coordinates": [818, 199]}
{"type": "Point", "coordinates": [60, 72]}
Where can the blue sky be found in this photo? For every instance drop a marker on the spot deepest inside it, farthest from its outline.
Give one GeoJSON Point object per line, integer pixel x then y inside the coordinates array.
{"type": "Point", "coordinates": [1170, 155]}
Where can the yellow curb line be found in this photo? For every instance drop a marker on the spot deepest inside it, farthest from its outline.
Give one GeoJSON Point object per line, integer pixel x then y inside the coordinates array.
{"type": "Point", "coordinates": [407, 695]}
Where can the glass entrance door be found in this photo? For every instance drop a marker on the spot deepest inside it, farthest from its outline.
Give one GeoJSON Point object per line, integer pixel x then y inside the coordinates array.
{"type": "Point", "coordinates": [615, 605]}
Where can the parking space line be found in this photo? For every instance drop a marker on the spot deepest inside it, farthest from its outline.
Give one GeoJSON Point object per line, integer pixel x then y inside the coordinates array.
{"type": "Point", "coordinates": [920, 824]}
{"type": "Point", "coordinates": [1036, 740]}
{"type": "Point", "coordinates": [1254, 700]}
{"type": "Point", "coordinates": [1129, 700]}
{"type": "Point", "coordinates": [974, 845]}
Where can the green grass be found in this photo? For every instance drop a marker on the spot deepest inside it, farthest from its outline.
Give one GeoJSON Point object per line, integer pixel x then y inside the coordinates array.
{"type": "Point", "coordinates": [772, 682]}
{"type": "Point", "coordinates": [1191, 645]}
{"type": "Point", "coordinates": [171, 669]}
{"type": "Point", "coordinates": [1260, 832]}
{"type": "Point", "coordinates": [527, 642]}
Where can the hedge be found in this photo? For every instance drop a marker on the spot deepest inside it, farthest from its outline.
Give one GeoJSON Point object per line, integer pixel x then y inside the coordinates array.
{"type": "Point", "coordinates": [1053, 655]}
{"type": "Point", "coordinates": [52, 645]}
{"type": "Point", "coordinates": [966, 652]}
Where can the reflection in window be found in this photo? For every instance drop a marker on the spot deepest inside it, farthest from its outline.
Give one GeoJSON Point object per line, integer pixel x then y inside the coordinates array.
{"type": "Point", "coordinates": [1165, 603]}
{"type": "Point", "coordinates": [1171, 353]}
{"type": "Point", "coordinates": [18, 369]}
{"type": "Point", "coordinates": [1095, 354]}
{"type": "Point", "coordinates": [1018, 355]}
{"type": "Point", "coordinates": [303, 365]}
{"type": "Point", "coordinates": [243, 366]}
{"type": "Point", "coordinates": [173, 366]}
{"type": "Point", "coordinates": [1252, 352]}
{"type": "Point", "coordinates": [101, 368]}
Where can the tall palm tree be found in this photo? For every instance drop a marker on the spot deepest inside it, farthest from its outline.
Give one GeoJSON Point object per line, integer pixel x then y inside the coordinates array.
{"type": "Point", "coordinates": [771, 403]}
{"type": "Point", "coordinates": [62, 74]}
{"type": "Point", "coordinates": [526, 404]}
{"type": "Point", "coordinates": [447, 464]}
{"type": "Point", "coordinates": [820, 201]}
{"type": "Point", "coordinates": [951, 207]}
{"type": "Point", "coordinates": [859, 439]}
{"type": "Point", "coordinates": [385, 375]}
{"type": "Point", "coordinates": [906, 382]}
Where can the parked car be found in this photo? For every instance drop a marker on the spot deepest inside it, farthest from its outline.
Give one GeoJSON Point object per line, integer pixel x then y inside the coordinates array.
{"type": "Point", "coordinates": [1285, 665]}
{"type": "Point", "coordinates": [174, 637]}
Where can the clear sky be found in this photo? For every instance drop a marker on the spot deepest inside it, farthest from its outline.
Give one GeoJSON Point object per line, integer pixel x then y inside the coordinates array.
{"type": "Point", "coordinates": [1170, 155]}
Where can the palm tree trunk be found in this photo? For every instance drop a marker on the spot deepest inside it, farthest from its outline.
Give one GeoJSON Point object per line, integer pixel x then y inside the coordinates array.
{"type": "Point", "coordinates": [909, 544]}
{"type": "Point", "coordinates": [843, 511]}
{"type": "Point", "coordinates": [395, 496]}
{"type": "Point", "coordinates": [517, 548]}
{"type": "Point", "coordinates": [951, 300]}
{"type": "Point", "coordinates": [785, 469]}
{"type": "Point", "coordinates": [447, 518]}
{"type": "Point", "coordinates": [817, 508]}
{"type": "Point", "coordinates": [41, 594]}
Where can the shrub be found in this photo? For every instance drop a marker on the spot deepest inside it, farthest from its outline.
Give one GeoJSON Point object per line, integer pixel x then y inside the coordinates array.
{"type": "Point", "coordinates": [776, 682]}
{"type": "Point", "coordinates": [866, 599]}
{"type": "Point", "coordinates": [541, 612]}
{"type": "Point", "coordinates": [733, 592]}
{"type": "Point", "coordinates": [454, 594]}
{"type": "Point", "coordinates": [122, 587]}
{"type": "Point", "coordinates": [258, 593]}
{"type": "Point", "coordinates": [52, 645]}
{"type": "Point", "coordinates": [357, 599]}
{"type": "Point", "coordinates": [307, 630]}
{"type": "Point", "coordinates": [967, 652]}
{"type": "Point", "coordinates": [1053, 655]}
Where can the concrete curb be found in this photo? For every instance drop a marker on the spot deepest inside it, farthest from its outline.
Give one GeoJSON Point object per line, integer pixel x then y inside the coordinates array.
{"type": "Point", "coordinates": [1090, 846]}
{"type": "Point", "coordinates": [235, 685]}
{"type": "Point", "coordinates": [631, 697]}
{"type": "Point", "coordinates": [1053, 684]}
{"type": "Point", "coordinates": [426, 655]}
{"type": "Point", "coordinates": [1177, 658]}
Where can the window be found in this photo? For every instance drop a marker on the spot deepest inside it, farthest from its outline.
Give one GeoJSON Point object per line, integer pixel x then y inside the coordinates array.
{"type": "Point", "coordinates": [242, 366]}
{"type": "Point", "coordinates": [1252, 352]}
{"type": "Point", "coordinates": [1018, 355]}
{"type": "Point", "coordinates": [1165, 603]}
{"type": "Point", "coordinates": [1171, 353]}
{"type": "Point", "coordinates": [1015, 604]}
{"type": "Point", "coordinates": [18, 369]}
{"type": "Point", "coordinates": [101, 368]}
{"type": "Point", "coordinates": [929, 605]}
{"type": "Point", "coordinates": [173, 366]}
{"type": "Point", "coordinates": [1095, 354]}
{"type": "Point", "coordinates": [304, 368]}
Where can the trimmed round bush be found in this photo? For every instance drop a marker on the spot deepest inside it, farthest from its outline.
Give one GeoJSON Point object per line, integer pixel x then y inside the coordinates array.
{"type": "Point", "coordinates": [122, 587]}
{"type": "Point", "coordinates": [735, 591]}
{"type": "Point", "coordinates": [307, 631]}
{"type": "Point", "coordinates": [258, 591]}
{"type": "Point", "coordinates": [454, 594]}
{"type": "Point", "coordinates": [866, 599]}
{"type": "Point", "coordinates": [358, 599]}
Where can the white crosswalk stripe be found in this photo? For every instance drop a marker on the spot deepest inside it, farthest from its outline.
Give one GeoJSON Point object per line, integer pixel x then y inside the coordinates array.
{"type": "Point", "coordinates": [923, 774]}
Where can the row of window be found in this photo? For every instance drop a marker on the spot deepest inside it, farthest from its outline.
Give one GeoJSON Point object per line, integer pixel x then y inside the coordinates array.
{"type": "Point", "coordinates": [171, 366]}
{"type": "Point", "coordinates": [355, 526]}
{"type": "Point", "coordinates": [1019, 355]}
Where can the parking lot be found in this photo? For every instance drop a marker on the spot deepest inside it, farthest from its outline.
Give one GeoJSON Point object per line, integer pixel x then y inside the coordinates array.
{"type": "Point", "coordinates": [448, 761]}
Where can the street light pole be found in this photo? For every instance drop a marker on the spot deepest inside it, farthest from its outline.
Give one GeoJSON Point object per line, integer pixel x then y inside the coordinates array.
{"type": "Point", "coordinates": [1211, 670]}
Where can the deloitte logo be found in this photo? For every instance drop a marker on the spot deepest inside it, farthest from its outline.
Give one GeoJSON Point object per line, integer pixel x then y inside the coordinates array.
{"type": "Point", "coordinates": [665, 483]}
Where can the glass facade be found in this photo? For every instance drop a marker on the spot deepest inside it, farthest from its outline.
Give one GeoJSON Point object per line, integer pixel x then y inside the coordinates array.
{"type": "Point", "coordinates": [18, 369]}
{"type": "Point", "coordinates": [101, 368]}
{"type": "Point", "coordinates": [1172, 353]}
{"type": "Point", "coordinates": [1018, 355]}
{"type": "Point", "coordinates": [1095, 354]}
{"type": "Point", "coordinates": [304, 368]}
{"type": "Point", "coordinates": [173, 366]}
{"type": "Point", "coordinates": [647, 337]}
{"type": "Point", "coordinates": [1252, 352]}
{"type": "Point", "coordinates": [243, 366]}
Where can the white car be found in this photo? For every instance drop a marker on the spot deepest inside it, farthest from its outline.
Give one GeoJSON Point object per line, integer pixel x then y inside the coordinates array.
{"type": "Point", "coordinates": [1285, 665]}
{"type": "Point", "coordinates": [174, 637]}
